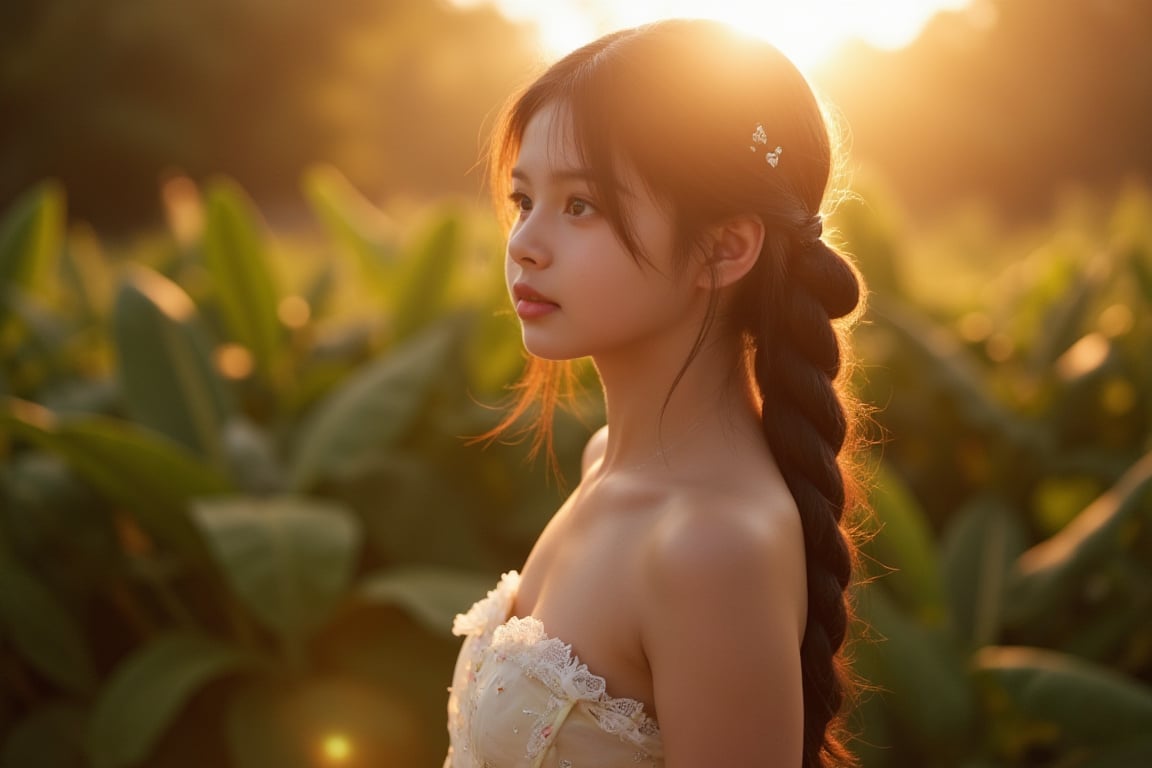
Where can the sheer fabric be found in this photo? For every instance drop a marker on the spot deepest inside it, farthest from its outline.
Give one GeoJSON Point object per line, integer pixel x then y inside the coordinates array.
{"type": "Point", "coordinates": [521, 699]}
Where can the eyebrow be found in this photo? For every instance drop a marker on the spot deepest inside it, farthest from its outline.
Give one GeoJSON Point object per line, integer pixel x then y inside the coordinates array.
{"type": "Point", "coordinates": [573, 174]}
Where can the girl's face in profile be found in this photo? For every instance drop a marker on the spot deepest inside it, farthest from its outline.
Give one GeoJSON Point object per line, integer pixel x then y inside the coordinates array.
{"type": "Point", "coordinates": [575, 287]}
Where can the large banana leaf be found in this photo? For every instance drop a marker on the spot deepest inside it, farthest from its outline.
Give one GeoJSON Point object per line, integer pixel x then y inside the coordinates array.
{"type": "Point", "coordinates": [1058, 699]}
{"type": "Point", "coordinates": [373, 408]}
{"type": "Point", "coordinates": [919, 672]}
{"type": "Point", "coordinates": [424, 276]}
{"type": "Point", "coordinates": [1063, 318]}
{"type": "Point", "coordinates": [946, 365]}
{"type": "Point", "coordinates": [978, 551]}
{"type": "Point", "coordinates": [143, 472]}
{"type": "Point", "coordinates": [40, 630]}
{"type": "Point", "coordinates": [1049, 574]}
{"type": "Point", "coordinates": [353, 223]}
{"type": "Point", "coordinates": [30, 236]}
{"type": "Point", "coordinates": [900, 552]}
{"type": "Point", "coordinates": [1126, 754]}
{"type": "Point", "coordinates": [242, 279]}
{"type": "Point", "coordinates": [433, 596]}
{"type": "Point", "coordinates": [49, 736]}
{"type": "Point", "coordinates": [147, 691]}
{"type": "Point", "coordinates": [289, 559]}
{"type": "Point", "coordinates": [165, 364]}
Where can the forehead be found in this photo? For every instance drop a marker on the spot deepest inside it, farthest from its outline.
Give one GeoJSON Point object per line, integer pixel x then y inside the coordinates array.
{"type": "Point", "coordinates": [549, 150]}
{"type": "Point", "coordinates": [548, 143]}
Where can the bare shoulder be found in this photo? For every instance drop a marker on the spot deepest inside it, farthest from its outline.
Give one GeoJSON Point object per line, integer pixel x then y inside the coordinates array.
{"type": "Point", "coordinates": [594, 450]}
{"type": "Point", "coordinates": [704, 545]}
{"type": "Point", "coordinates": [722, 617]}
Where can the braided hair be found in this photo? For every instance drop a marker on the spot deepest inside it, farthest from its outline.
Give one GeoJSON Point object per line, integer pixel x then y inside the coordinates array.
{"type": "Point", "coordinates": [796, 360]}
{"type": "Point", "coordinates": [678, 101]}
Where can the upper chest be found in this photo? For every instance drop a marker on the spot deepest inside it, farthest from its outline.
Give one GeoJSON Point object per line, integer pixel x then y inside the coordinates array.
{"type": "Point", "coordinates": [583, 581]}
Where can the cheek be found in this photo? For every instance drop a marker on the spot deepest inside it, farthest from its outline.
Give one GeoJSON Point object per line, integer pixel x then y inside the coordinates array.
{"type": "Point", "coordinates": [509, 274]}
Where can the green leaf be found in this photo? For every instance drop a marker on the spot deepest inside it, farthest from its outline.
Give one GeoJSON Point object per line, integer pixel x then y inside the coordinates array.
{"type": "Point", "coordinates": [1075, 701]}
{"type": "Point", "coordinates": [288, 558]}
{"type": "Point", "coordinates": [495, 354]}
{"type": "Point", "coordinates": [1123, 755]}
{"type": "Point", "coordinates": [918, 669]}
{"type": "Point", "coordinates": [425, 276]}
{"type": "Point", "coordinates": [1047, 575]}
{"type": "Point", "coordinates": [142, 471]}
{"type": "Point", "coordinates": [431, 595]}
{"type": "Point", "coordinates": [1063, 320]}
{"type": "Point", "coordinates": [165, 364]}
{"type": "Point", "coordinates": [85, 277]}
{"type": "Point", "coordinates": [30, 236]}
{"type": "Point", "coordinates": [947, 368]}
{"type": "Point", "coordinates": [40, 630]}
{"type": "Point", "coordinates": [49, 737]}
{"type": "Point", "coordinates": [147, 691]}
{"type": "Point", "coordinates": [903, 550]}
{"type": "Point", "coordinates": [372, 409]}
{"type": "Point", "coordinates": [357, 227]}
{"type": "Point", "coordinates": [242, 280]}
{"type": "Point", "coordinates": [978, 550]}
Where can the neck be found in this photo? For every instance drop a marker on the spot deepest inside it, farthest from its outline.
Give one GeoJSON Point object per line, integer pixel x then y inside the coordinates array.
{"type": "Point", "coordinates": [650, 423]}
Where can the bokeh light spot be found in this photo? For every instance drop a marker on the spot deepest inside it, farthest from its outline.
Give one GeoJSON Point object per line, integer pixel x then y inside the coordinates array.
{"type": "Point", "coordinates": [233, 361]}
{"type": "Point", "coordinates": [1116, 320]}
{"type": "Point", "coordinates": [1085, 356]}
{"type": "Point", "coordinates": [294, 311]}
{"type": "Point", "coordinates": [337, 749]}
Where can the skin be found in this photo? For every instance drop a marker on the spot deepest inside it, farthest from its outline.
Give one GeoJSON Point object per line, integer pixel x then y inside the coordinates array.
{"type": "Point", "coordinates": [675, 569]}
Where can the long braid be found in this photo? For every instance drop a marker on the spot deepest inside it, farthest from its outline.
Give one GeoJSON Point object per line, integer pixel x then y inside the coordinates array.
{"type": "Point", "coordinates": [796, 360]}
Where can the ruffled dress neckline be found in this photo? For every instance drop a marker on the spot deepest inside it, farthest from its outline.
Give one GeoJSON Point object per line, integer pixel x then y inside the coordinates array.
{"type": "Point", "coordinates": [495, 637]}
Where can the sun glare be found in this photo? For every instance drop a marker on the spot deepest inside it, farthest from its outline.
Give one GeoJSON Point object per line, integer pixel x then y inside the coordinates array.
{"type": "Point", "coordinates": [809, 33]}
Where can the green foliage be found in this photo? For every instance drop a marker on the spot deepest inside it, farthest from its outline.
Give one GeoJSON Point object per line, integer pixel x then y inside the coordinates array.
{"type": "Point", "coordinates": [245, 292]}
{"type": "Point", "coordinates": [165, 367]}
{"type": "Point", "coordinates": [147, 690]}
{"type": "Point", "coordinates": [270, 517]}
{"type": "Point", "coordinates": [251, 452]}
{"type": "Point", "coordinates": [40, 631]}
{"type": "Point", "coordinates": [1008, 611]}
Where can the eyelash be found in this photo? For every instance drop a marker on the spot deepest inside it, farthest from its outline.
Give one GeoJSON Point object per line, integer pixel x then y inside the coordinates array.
{"type": "Point", "coordinates": [518, 199]}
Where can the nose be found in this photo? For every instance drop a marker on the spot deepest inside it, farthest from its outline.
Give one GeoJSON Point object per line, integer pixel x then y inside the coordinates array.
{"type": "Point", "coordinates": [528, 244]}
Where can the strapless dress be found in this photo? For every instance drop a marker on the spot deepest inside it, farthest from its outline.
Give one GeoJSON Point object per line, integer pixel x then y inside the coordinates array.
{"type": "Point", "coordinates": [521, 699]}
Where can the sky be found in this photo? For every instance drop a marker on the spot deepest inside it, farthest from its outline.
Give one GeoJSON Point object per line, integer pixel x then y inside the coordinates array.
{"type": "Point", "coordinates": [809, 32]}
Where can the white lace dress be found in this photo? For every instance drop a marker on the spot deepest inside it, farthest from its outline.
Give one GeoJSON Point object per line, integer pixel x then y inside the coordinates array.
{"type": "Point", "coordinates": [520, 699]}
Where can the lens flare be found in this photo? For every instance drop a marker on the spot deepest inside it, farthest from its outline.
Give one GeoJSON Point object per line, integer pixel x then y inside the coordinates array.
{"type": "Point", "coordinates": [336, 748]}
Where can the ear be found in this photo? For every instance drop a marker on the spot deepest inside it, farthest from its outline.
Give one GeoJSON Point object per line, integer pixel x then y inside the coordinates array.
{"type": "Point", "coordinates": [734, 249]}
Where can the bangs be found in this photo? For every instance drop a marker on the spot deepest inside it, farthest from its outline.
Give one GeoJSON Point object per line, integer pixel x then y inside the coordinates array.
{"type": "Point", "coordinates": [587, 115]}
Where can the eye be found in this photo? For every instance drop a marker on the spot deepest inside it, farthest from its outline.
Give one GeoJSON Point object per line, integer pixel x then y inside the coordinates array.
{"type": "Point", "coordinates": [520, 202]}
{"type": "Point", "coordinates": [578, 206]}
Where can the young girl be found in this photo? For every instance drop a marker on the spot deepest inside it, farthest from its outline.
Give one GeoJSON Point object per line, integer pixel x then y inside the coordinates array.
{"type": "Point", "coordinates": [685, 607]}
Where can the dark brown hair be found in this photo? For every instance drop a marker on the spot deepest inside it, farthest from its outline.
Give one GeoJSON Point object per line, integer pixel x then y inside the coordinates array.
{"type": "Point", "coordinates": [678, 102]}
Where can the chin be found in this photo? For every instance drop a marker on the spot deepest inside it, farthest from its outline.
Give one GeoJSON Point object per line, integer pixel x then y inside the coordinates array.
{"type": "Point", "coordinates": [550, 349]}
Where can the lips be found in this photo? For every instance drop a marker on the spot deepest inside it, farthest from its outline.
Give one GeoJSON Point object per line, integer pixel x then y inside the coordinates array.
{"type": "Point", "coordinates": [530, 303]}
{"type": "Point", "coordinates": [522, 292]}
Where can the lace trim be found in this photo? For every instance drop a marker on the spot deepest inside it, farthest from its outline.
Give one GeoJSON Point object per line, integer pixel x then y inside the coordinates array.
{"type": "Point", "coordinates": [551, 661]}
{"type": "Point", "coordinates": [489, 612]}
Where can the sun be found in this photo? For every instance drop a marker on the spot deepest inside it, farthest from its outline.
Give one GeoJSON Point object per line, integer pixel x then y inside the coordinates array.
{"type": "Point", "coordinates": [809, 33]}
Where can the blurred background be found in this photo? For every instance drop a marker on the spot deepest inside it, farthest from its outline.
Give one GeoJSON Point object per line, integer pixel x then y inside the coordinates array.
{"type": "Point", "coordinates": [251, 311]}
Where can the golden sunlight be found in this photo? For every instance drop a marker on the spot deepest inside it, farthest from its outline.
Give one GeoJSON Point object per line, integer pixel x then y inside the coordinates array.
{"type": "Point", "coordinates": [809, 33]}
{"type": "Point", "coordinates": [337, 749]}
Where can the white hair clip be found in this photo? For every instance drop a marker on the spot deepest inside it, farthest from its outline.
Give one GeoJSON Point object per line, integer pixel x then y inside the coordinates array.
{"type": "Point", "coordinates": [760, 137]}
